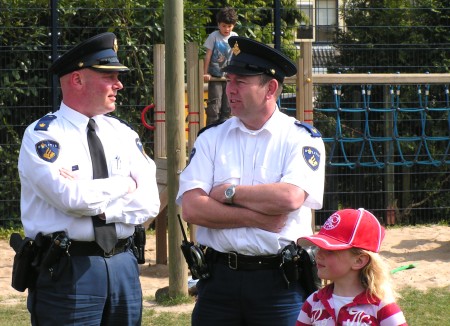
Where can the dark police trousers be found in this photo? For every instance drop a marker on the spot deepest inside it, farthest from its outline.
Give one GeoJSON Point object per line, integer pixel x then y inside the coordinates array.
{"type": "Point", "coordinates": [246, 297]}
{"type": "Point", "coordinates": [88, 290]}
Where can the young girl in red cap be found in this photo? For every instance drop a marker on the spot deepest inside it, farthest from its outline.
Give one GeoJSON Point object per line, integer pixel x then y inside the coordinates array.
{"type": "Point", "coordinates": [360, 292]}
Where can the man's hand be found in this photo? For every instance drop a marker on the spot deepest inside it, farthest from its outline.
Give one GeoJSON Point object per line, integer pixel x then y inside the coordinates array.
{"type": "Point", "coordinates": [272, 223]}
{"type": "Point", "coordinates": [67, 174]}
{"type": "Point", "coordinates": [218, 193]}
{"type": "Point", "coordinates": [132, 186]}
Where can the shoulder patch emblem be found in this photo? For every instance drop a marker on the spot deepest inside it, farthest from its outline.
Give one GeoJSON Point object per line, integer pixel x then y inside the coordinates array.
{"type": "Point", "coordinates": [312, 157]}
{"type": "Point", "coordinates": [44, 122]}
{"type": "Point", "coordinates": [48, 150]}
{"type": "Point", "coordinates": [312, 130]}
{"type": "Point", "coordinates": [140, 146]}
{"type": "Point", "coordinates": [191, 156]}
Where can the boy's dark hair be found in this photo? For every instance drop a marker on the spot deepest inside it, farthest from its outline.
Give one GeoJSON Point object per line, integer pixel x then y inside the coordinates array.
{"type": "Point", "coordinates": [227, 15]}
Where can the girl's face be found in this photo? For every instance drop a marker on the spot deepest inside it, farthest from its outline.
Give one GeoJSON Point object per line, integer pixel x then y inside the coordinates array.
{"type": "Point", "coordinates": [225, 29]}
{"type": "Point", "coordinates": [334, 265]}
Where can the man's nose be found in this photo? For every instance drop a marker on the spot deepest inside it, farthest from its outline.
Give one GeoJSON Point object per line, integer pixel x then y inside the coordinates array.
{"type": "Point", "coordinates": [231, 87]}
{"type": "Point", "coordinates": [118, 85]}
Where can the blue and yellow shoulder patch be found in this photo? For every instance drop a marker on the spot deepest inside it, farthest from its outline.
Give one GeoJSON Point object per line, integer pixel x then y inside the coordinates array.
{"type": "Point", "coordinates": [44, 122]}
{"type": "Point", "coordinates": [140, 146]}
{"type": "Point", "coordinates": [191, 155]}
{"type": "Point", "coordinates": [48, 150]}
{"type": "Point", "coordinates": [312, 157]}
{"type": "Point", "coordinates": [312, 130]}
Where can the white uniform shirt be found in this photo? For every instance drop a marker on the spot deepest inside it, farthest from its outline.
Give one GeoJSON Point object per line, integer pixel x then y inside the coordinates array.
{"type": "Point", "coordinates": [281, 151]}
{"type": "Point", "coordinates": [51, 203]}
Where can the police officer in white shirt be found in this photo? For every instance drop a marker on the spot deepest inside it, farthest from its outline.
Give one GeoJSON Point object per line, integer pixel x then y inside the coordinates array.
{"type": "Point", "coordinates": [84, 284]}
{"type": "Point", "coordinates": [250, 186]}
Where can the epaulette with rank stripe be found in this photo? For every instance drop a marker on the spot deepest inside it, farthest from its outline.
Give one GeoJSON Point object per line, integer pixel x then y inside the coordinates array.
{"type": "Point", "coordinates": [215, 124]}
{"type": "Point", "coordinates": [117, 118]}
{"type": "Point", "coordinates": [312, 130]}
{"type": "Point", "coordinates": [44, 122]}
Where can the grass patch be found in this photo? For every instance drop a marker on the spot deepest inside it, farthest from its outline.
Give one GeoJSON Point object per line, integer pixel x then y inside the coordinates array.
{"type": "Point", "coordinates": [151, 317]}
{"type": "Point", "coordinates": [420, 308]}
{"type": "Point", "coordinates": [166, 301]}
{"type": "Point", "coordinates": [13, 311]}
{"type": "Point", "coordinates": [426, 308]}
{"type": "Point", "coordinates": [6, 231]}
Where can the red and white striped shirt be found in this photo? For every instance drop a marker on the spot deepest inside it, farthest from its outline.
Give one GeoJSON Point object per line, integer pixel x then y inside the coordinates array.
{"type": "Point", "coordinates": [363, 310]}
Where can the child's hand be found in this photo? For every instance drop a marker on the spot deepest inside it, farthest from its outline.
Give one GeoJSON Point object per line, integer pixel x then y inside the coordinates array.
{"type": "Point", "coordinates": [206, 77]}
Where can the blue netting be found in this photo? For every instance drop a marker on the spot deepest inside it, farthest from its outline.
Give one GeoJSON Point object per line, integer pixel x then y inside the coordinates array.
{"type": "Point", "coordinates": [425, 142]}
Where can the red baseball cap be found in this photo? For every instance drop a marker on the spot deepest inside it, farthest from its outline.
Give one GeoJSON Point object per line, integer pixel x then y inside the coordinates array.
{"type": "Point", "coordinates": [348, 228]}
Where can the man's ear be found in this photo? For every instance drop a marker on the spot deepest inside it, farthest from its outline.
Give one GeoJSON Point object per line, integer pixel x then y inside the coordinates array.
{"type": "Point", "coordinates": [76, 79]}
{"type": "Point", "coordinates": [272, 87]}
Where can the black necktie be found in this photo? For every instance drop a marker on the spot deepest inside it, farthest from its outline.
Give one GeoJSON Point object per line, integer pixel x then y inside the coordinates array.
{"type": "Point", "coordinates": [105, 234]}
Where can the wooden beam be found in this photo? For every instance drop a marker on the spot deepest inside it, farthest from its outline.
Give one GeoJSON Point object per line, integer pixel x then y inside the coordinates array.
{"type": "Point", "coordinates": [390, 79]}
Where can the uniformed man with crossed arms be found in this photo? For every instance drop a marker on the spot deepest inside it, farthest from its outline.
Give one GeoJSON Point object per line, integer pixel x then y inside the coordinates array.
{"type": "Point", "coordinates": [86, 284]}
{"type": "Point", "coordinates": [250, 186]}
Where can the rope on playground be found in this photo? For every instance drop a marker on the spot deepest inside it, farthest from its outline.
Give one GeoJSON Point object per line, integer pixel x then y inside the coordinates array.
{"type": "Point", "coordinates": [419, 144]}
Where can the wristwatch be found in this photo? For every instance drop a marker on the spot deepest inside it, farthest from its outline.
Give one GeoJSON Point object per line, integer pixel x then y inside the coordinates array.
{"type": "Point", "coordinates": [229, 194]}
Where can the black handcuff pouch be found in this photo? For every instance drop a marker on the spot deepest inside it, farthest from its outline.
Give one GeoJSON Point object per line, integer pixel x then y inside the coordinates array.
{"type": "Point", "coordinates": [24, 274]}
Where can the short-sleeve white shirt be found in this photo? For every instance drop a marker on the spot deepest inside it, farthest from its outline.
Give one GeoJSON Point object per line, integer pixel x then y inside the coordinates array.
{"type": "Point", "coordinates": [281, 151]}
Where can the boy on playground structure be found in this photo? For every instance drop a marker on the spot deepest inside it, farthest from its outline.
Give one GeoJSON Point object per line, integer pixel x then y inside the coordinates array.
{"type": "Point", "coordinates": [217, 54]}
{"type": "Point", "coordinates": [360, 292]}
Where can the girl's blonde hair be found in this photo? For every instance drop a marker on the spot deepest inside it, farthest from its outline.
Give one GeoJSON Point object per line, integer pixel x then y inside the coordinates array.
{"type": "Point", "coordinates": [376, 277]}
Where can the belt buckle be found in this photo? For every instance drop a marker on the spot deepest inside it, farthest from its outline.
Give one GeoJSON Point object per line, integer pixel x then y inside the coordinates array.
{"type": "Point", "coordinates": [232, 255]}
{"type": "Point", "coordinates": [109, 254]}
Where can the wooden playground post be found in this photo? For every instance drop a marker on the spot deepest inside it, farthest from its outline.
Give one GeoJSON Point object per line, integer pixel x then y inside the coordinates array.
{"type": "Point", "coordinates": [160, 100]}
{"type": "Point", "coordinates": [194, 89]}
{"type": "Point", "coordinates": [305, 93]}
{"type": "Point", "coordinates": [176, 140]}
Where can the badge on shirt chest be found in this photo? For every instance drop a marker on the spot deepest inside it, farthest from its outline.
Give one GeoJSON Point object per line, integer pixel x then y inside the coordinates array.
{"type": "Point", "coordinates": [312, 157]}
{"type": "Point", "coordinates": [48, 150]}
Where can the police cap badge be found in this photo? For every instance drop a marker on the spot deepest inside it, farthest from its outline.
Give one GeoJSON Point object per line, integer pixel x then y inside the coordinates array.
{"type": "Point", "coordinates": [98, 52]}
{"type": "Point", "coordinates": [250, 57]}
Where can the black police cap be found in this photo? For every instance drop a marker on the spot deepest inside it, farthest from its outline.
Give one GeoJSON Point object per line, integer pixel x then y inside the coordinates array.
{"type": "Point", "coordinates": [250, 57]}
{"type": "Point", "coordinates": [98, 52]}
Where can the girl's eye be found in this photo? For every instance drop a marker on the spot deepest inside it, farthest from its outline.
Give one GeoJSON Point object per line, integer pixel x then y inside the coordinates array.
{"type": "Point", "coordinates": [326, 252]}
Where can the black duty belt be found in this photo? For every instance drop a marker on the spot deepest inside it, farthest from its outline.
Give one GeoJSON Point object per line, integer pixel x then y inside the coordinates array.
{"type": "Point", "coordinates": [237, 261]}
{"type": "Point", "coordinates": [91, 248]}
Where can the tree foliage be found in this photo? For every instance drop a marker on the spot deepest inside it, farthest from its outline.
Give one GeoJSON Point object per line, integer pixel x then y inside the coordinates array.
{"type": "Point", "coordinates": [387, 34]}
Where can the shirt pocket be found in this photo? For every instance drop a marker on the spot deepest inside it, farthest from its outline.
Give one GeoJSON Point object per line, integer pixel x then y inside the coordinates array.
{"type": "Point", "coordinates": [120, 166]}
{"type": "Point", "coordinates": [229, 174]}
{"type": "Point", "coordinates": [263, 175]}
